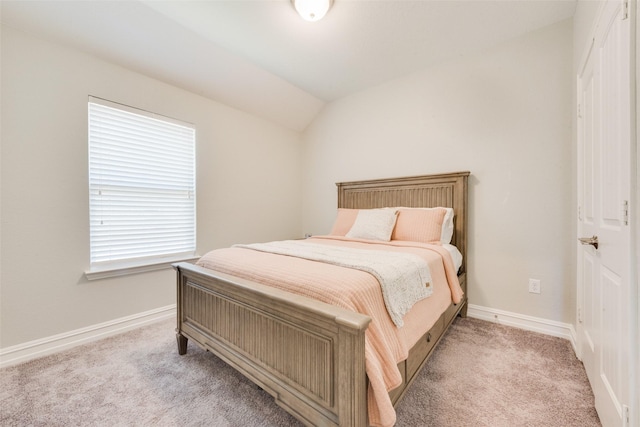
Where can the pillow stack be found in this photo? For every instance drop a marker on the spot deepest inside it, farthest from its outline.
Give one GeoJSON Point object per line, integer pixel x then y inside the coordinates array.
{"type": "Point", "coordinates": [425, 225]}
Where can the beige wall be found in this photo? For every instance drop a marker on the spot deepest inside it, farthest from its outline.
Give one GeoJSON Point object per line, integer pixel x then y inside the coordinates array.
{"type": "Point", "coordinates": [505, 115]}
{"type": "Point", "coordinates": [248, 186]}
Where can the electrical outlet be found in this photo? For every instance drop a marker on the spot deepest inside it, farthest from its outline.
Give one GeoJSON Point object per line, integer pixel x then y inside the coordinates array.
{"type": "Point", "coordinates": [534, 286]}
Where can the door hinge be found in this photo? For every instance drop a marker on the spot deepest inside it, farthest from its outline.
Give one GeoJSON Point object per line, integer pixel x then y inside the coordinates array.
{"type": "Point", "coordinates": [626, 415]}
{"type": "Point", "coordinates": [625, 212]}
{"type": "Point", "coordinates": [579, 315]}
{"type": "Point", "coordinates": [579, 111]}
{"type": "Point", "coordinates": [625, 9]}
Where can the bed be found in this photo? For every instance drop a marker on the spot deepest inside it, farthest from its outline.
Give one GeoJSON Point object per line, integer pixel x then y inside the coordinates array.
{"type": "Point", "coordinates": [310, 355]}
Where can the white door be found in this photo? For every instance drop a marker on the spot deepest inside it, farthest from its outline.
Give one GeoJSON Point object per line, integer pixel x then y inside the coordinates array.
{"type": "Point", "coordinates": [605, 331]}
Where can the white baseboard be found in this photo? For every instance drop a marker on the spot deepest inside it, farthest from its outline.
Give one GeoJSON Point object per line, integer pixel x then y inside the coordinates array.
{"type": "Point", "coordinates": [45, 346]}
{"type": "Point", "coordinates": [522, 321]}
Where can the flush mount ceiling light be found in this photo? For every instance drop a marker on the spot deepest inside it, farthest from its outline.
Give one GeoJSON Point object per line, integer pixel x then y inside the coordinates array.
{"type": "Point", "coordinates": [312, 10]}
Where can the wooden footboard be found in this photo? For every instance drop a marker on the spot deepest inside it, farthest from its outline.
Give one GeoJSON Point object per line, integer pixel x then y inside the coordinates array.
{"type": "Point", "coordinates": [307, 354]}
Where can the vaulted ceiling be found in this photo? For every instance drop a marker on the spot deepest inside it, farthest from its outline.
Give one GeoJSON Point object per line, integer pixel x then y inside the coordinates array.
{"type": "Point", "coordinates": [259, 56]}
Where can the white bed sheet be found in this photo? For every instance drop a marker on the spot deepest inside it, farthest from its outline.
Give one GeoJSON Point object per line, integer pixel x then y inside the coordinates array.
{"type": "Point", "coordinates": [455, 255]}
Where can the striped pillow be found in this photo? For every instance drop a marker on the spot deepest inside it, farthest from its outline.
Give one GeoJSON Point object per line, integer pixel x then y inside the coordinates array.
{"type": "Point", "coordinates": [344, 221]}
{"type": "Point", "coordinates": [419, 225]}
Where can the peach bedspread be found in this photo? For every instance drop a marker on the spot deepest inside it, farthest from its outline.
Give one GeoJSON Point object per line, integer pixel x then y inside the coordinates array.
{"type": "Point", "coordinates": [386, 345]}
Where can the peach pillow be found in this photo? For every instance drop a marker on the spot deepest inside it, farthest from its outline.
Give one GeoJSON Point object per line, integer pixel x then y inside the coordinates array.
{"type": "Point", "coordinates": [419, 225]}
{"type": "Point", "coordinates": [344, 221]}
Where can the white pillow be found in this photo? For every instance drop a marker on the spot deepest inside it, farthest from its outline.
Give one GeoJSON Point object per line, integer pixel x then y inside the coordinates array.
{"type": "Point", "coordinates": [447, 227]}
{"type": "Point", "coordinates": [374, 224]}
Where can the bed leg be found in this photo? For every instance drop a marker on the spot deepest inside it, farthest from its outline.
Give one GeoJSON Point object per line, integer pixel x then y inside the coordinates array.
{"type": "Point", "coordinates": [463, 311]}
{"type": "Point", "coordinates": [182, 343]}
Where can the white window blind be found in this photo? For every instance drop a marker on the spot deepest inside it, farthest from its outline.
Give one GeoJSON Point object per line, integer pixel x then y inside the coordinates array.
{"type": "Point", "coordinates": [141, 184]}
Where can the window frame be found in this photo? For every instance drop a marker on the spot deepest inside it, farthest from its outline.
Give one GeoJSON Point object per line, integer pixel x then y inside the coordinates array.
{"type": "Point", "coordinates": [139, 264]}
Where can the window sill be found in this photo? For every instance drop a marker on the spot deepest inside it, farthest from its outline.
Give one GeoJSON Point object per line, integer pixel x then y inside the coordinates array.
{"type": "Point", "coordinates": [128, 268]}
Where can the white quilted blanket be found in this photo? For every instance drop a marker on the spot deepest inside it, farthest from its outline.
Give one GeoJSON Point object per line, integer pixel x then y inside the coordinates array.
{"type": "Point", "coordinates": [404, 278]}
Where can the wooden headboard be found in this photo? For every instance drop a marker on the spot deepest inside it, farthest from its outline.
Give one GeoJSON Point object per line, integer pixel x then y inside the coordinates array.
{"type": "Point", "coordinates": [426, 191]}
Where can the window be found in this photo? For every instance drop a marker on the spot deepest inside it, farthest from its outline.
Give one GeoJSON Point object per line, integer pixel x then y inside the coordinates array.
{"type": "Point", "coordinates": [141, 189]}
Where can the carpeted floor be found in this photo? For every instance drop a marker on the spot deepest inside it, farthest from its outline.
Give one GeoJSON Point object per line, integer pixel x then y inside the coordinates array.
{"type": "Point", "coordinates": [482, 374]}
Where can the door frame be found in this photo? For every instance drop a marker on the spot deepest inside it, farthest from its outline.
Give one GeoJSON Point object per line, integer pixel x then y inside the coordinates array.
{"type": "Point", "coordinates": [634, 13]}
{"type": "Point", "coordinates": [634, 209]}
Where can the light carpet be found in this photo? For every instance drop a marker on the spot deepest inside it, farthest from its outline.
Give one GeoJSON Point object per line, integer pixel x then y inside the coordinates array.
{"type": "Point", "coordinates": [481, 374]}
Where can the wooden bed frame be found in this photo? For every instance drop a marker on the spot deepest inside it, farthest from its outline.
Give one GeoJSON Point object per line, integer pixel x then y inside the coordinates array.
{"type": "Point", "coordinates": [307, 354]}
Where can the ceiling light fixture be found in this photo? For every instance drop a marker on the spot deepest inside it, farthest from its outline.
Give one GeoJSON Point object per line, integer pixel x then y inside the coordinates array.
{"type": "Point", "coordinates": [312, 10]}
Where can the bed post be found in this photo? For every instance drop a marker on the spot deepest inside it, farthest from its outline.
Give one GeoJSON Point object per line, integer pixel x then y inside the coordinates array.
{"type": "Point", "coordinates": [352, 388]}
{"type": "Point", "coordinates": [181, 339]}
